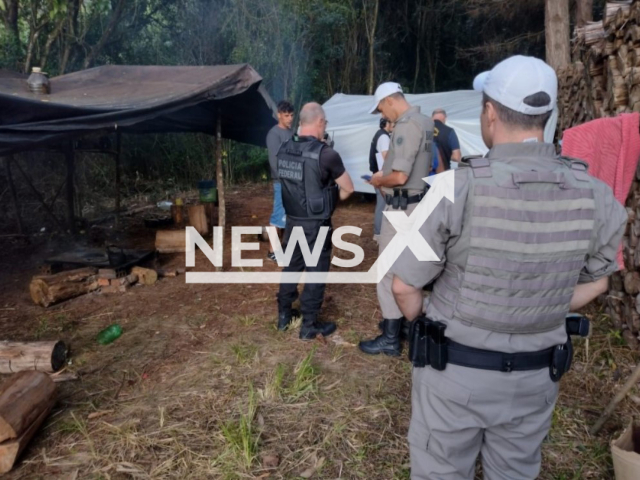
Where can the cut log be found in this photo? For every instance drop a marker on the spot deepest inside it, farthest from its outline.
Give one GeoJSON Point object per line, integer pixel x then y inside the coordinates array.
{"type": "Point", "coordinates": [49, 289]}
{"type": "Point", "coordinates": [171, 241]}
{"type": "Point", "coordinates": [46, 357]}
{"type": "Point", "coordinates": [146, 276]}
{"type": "Point", "coordinates": [11, 450]}
{"type": "Point", "coordinates": [23, 398]}
{"type": "Point", "coordinates": [198, 219]}
{"type": "Point", "coordinates": [177, 213]}
{"type": "Point", "coordinates": [167, 272]}
{"type": "Point", "coordinates": [632, 283]}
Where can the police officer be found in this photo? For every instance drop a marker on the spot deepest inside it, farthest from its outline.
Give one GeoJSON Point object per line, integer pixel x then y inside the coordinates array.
{"type": "Point", "coordinates": [408, 162]}
{"type": "Point", "coordinates": [379, 145]}
{"type": "Point", "coordinates": [529, 237]}
{"type": "Point", "coordinates": [445, 139]}
{"type": "Point", "coordinates": [313, 178]}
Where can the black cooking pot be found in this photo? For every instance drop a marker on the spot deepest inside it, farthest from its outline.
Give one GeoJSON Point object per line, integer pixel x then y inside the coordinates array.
{"type": "Point", "coordinates": [116, 256]}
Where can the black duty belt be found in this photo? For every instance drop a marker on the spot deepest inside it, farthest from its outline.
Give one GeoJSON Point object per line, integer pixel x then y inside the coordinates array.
{"type": "Point", "coordinates": [429, 346]}
{"type": "Point", "coordinates": [400, 199]}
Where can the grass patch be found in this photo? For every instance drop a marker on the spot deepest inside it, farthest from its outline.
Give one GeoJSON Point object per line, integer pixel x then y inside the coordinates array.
{"type": "Point", "coordinates": [241, 436]}
{"type": "Point", "coordinates": [244, 353]}
{"type": "Point", "coordinates": [305, 380]}
{"type": "Point", "coordinates": [273, 386]}
{"type": "Point", "coordinates": [247, 320]}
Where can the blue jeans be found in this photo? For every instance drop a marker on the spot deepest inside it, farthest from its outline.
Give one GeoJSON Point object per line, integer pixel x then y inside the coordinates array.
{"type": "Point", "coordinates": [278, 216]}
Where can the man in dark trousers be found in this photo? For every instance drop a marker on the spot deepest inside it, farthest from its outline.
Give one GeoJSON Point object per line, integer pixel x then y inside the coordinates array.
{"type": "Point", "coordinates": [445, 139]}
{"type": "Point", "coordinates": [279, 134]}
{"type": "Point", "coordinates": [313, 179]}
{"type": "Point", "coordinates": [379, 145]}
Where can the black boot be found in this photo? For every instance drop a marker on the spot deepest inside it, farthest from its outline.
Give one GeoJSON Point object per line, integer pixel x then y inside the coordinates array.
{"type": "Point", "coordinates": [285, 316]}
{"type": "Point", "coordinates": [387, 343]}
{"type": "Point", "coordinates": [404, 330]}
{"type": "Point", "coordinates": [284, 319]}
{"type": "Point", "coordinates": [311, 328]}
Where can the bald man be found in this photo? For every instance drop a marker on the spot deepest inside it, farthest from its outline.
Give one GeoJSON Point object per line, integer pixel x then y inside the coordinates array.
{"type": "Point", "coordinates": [313, 178]}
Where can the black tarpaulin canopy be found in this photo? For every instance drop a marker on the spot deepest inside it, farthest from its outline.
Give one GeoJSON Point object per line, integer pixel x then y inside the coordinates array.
{"type": "Point", "coordinates": [135, 99]}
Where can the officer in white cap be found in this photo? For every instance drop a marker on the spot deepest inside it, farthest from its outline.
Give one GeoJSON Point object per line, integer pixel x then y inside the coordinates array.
{"type": "Point", "coordinates": [529, 237]}
{"type": "Point", "coordinates": [408, 161]}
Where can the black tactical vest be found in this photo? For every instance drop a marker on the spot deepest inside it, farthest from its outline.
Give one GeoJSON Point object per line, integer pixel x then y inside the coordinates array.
{"type": "Point", "coordinates": [373, 163]}
{"type": "Point", "coordinates": [303, 194]}
{"type": "Point", "coordinates": [441, 134]}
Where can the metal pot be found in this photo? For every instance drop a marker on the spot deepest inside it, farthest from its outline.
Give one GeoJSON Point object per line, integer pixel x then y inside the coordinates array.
{"type": "Point", "coordinates": [116, 256]}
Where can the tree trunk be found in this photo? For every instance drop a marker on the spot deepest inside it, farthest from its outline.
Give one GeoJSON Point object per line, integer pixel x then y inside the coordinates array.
{"type": "Point", "coordinates": [97, 48]}
{"type": "Point", "coordinates": [50, 39]}
{"type": "Point", "coordinates": [371, 36]}
{"type": "Point", "coordinates": [584, 12]}
{"type": "Point", "coordinates": [10, 17]}
{"type": "Point", "coordinates": [46, 357]}
{"type": "Point", "coordinates": [49, 289]}
{"type": "Point", "coordinates": [23, 398]}
{"type": "Point", "coordinates": [557, 33]}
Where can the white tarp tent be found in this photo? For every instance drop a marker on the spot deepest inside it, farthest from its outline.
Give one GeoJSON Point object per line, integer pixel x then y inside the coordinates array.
{"type": "Point", "coordinates": [352, 126]}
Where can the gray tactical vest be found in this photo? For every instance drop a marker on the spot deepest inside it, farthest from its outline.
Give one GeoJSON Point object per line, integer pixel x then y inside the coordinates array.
{"type": "Point", "coordinates": [528, 234]}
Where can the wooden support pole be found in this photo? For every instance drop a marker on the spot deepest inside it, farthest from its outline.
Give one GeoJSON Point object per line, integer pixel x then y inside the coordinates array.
{"type": "Point", "coordinates": [118, 149]}
{"type": "Point", "coordinates": [14, 195]}
{"type": "Point", "coordinates": [220, 174]}
{"type": "Point", "coordinates": [38, 195]}
{"type": "Point", "coordinates": [71, 172]}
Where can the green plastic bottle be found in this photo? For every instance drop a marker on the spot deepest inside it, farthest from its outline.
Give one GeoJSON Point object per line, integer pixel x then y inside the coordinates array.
{"type": "Point", "coordinates": [109, 334]}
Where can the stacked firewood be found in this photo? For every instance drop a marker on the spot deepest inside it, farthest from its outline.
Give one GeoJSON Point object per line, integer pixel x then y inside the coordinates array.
{"type": "Point", "coordinates": [603, 81]}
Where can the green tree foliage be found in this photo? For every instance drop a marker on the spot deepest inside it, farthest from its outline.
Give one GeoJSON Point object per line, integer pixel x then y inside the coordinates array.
{"type": "Point", "coordinates": [304, 49]}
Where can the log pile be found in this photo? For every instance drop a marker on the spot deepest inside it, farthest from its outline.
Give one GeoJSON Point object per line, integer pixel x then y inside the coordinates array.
{"type": "Point", "coordinates": [603, 81]}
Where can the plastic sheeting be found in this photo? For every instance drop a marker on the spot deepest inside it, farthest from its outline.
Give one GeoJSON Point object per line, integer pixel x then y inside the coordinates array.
{"type": "Point", "coordinates": [352, 127]}
{"type": "Point", "coordinates": [136, 99]}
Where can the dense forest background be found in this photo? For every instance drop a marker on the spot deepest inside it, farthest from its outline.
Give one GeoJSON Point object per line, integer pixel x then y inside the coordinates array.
{"type": "Point", "coordinates": [304, 49]}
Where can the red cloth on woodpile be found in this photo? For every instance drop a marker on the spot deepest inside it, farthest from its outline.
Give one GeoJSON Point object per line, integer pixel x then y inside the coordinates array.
{"type": "Point", "coordinates": [611, 147]}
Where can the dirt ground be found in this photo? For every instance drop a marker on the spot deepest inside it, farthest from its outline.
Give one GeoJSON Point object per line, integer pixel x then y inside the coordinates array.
{"type": "Point", "coordinates": [202, 386]}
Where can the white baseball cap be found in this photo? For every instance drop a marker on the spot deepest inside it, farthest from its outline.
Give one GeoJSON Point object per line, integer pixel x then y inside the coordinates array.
{"type": "Point", "coordinates": [383, 91]}
{"type": "Point", "coordinates": [516, 78]}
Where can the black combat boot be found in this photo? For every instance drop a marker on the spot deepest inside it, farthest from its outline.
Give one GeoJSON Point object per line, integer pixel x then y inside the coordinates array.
{"type": "Point", "coordinates": [311, 328]}
{"type": "Point", "coordinates": [404, 330]}
{"type": "Point", "coordinates": [285, 315]}
{"type": "Point", "coordinates": [284, 319]}
{"type": "Point", "coordinates": [387, 343]}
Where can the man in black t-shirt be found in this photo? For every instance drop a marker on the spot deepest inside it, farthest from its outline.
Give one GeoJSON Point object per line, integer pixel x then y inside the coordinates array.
{"type": "Point", "coordinates": [310, 173]}
{"type": "Point", "coordinates": [445, 138]}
